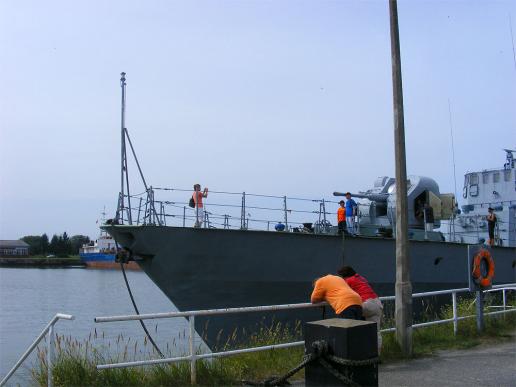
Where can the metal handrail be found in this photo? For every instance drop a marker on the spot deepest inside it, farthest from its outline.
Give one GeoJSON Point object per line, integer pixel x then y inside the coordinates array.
{"type": "Point", "coordinates": [246, 309]}
{"type": "Point", "coordinates": [207, 312]}
{"type": "Point", "coordinates": [50, 329]}
{"type": "Point", "coordinates": [193, 357]}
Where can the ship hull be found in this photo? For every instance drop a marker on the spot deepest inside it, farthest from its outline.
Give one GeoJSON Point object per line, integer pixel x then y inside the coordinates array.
{"type": "Point", "coordinates": [214, 268]}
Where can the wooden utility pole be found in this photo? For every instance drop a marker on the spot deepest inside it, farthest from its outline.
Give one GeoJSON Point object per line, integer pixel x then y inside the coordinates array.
{"type": "Point", "coordinates": [403, 309]}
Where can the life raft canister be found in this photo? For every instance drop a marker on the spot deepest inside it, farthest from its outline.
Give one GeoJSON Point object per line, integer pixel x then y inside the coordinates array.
{"type": "Point", "coordinates": [487, 280]}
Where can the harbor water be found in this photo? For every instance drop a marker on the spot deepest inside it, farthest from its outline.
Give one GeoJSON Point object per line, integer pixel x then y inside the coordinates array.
{"type": "Point", "coordinates": [30, 297]}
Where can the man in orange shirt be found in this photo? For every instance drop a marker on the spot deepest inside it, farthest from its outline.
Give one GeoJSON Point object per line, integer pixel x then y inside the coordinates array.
{"type": "Point", "coordinates": [344, 301]}
{"type": "Point", "coordinates": [341, 217]}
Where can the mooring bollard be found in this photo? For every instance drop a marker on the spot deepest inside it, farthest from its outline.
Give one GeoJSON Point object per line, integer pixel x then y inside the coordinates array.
{"type": "Point", "coordinates": [347, 350]}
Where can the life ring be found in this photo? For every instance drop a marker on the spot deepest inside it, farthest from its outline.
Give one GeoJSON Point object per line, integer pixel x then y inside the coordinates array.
{"type": "Point", "coordinates": [484, 282]}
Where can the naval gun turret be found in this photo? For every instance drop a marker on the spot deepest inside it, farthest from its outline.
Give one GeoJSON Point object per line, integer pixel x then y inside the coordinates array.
{"type": "Point", "coordinates": [377, 207]}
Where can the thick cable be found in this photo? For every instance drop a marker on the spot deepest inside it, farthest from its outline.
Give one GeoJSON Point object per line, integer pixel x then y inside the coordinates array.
{"type": "Point", "coordinates": [136, 309]}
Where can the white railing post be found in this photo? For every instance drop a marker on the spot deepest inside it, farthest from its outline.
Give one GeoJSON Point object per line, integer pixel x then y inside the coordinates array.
{"type": "Point", "coordinates": [193, 373]}
{"type": "Point", "coordinates": [480, 310]}
{"type": "Point", "coordinates": [503, 299]}
{"type": "Point", "coordinates": [285, 211]}
{"type": "Point", "coordinates": [49, 328]}
{"type": "Point", "coordinates": [50, 354]}
{"type": "Point", "coordinates": [454, 306]}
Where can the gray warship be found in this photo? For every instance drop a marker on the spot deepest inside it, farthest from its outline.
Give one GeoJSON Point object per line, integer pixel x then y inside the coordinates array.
{"type": "Point", "coordinates": [236, 260]}
{"type": "Point", "coordinates": [220, 267]}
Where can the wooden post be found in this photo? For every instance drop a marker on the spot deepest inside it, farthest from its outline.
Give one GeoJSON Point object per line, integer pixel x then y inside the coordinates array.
{"type": "Point", "coordinates": [403, 292]}
{"type": "Point", "coordinates": [346, 339]}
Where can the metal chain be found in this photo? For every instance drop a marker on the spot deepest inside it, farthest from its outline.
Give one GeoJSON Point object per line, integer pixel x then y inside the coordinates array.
{"type": "Point", "coordinates": [353, 363]}
{"type": "Point", "coordinates": [306, 359]}
{"type": "Point", "coordinates": [320, 354]}
{"type": "Point", "coordinates": [338, 374]}
{"type": "Point", "coordinates": [282, 380]}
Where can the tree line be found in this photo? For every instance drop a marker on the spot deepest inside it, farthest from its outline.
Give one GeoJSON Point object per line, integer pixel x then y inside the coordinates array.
{"type": "Point", "coordinates": [60, 245]}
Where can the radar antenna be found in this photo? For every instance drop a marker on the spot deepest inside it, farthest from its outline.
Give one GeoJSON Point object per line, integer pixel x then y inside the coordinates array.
{"type": "Point", "coordinates": [509, 164]}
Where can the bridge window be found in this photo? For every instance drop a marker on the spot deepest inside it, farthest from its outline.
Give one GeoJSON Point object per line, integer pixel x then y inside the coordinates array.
{"type": "Point", "coordinates": [473, 179]}
{"type": "Point", "coordinates": [507, 175]}
{"type": "Point", "coordinates": [496, 177]}
{"type": "Point", "coordinates": [485, 178]}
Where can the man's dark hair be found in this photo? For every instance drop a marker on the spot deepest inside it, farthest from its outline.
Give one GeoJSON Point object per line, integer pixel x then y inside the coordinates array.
{"type": "Point", "coordinates": [348, 193]}
{"type": "Point", "coordinates": [346, 271]}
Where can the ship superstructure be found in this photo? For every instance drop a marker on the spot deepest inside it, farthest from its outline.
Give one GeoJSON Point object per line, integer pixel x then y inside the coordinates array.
{"type": "Point", "coordinates": [495, 188]}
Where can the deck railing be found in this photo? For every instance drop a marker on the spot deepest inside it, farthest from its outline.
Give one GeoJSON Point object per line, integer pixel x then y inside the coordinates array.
{"type": "Point", "coordinates": [249, 211]}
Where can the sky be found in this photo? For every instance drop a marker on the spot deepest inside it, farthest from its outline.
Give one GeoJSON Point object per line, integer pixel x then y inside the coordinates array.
{"type": "Point", "coordinates": [275, 97]}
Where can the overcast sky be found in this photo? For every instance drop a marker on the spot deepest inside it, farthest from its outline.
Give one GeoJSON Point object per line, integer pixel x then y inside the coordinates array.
{"type": "Point", "coordinates": [277, 97]}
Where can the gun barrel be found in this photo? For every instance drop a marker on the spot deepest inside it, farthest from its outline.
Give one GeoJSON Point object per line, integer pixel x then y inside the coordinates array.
{"type": "Point", "coordinates": [373, 197]}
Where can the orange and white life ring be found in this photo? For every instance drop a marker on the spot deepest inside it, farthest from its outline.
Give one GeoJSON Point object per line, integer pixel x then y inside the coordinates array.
{"type": "Point", "coordinates": [487, 280]}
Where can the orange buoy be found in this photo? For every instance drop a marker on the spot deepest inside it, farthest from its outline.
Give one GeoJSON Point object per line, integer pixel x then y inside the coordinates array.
{"type": "Point", "coordinates": [481, 280]}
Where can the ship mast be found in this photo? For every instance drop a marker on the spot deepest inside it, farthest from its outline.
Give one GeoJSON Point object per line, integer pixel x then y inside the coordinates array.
{"type": "Point", "coordinates": [124, 173]}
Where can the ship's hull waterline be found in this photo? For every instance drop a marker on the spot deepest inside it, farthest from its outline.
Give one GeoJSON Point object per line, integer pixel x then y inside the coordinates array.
{"type": "Point", "coordinates": [214, 268]}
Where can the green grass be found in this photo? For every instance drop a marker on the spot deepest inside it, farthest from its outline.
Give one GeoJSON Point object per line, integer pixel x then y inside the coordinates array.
{"type": "Point", "coordinates": [76, 361]}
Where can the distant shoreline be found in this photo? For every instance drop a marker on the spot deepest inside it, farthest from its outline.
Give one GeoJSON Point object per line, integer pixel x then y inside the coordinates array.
{"type": "Point", "coordinates": [40, 262]}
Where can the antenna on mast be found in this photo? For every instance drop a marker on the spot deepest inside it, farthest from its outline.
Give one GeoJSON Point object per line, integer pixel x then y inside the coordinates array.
{"type": "Point", "coordinates": [512, 40]}
{"type": "Point", "coordinates": [453, 150]}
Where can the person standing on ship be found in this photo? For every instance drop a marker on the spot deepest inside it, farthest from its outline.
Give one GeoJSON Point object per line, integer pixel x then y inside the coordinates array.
{"type": "Point", "coordinates": [372, 307]}
{"type": "Point", "coordinates": [351, 211]}
{"type": "Point", "coordinates": [341, 217]}
{"type": "Point", "coordinates": [199, 207]}
{"type": "Point", "coordinates": [491, 224]}
{"type": "Point", "coordinates": [345, 302]}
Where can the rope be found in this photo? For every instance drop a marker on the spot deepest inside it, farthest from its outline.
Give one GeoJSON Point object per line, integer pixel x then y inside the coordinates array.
{"type": "Point", "coordinates": [136, 308]}
{"type": "Point", "coordinates": [321, 355]}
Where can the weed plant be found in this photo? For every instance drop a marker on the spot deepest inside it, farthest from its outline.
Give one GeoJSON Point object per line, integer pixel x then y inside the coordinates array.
{"type": "Point", "coordinates": [75, 363]}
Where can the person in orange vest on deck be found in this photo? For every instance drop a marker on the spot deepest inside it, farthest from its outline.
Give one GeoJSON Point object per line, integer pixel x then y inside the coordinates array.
{"type": "Point", "coordinates": [341, 217]}
{"type": "Point", "coordinates": [345, 302]}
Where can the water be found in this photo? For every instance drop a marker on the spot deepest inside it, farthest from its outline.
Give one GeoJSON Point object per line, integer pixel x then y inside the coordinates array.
{"type": "Point", "coordinates": [30, 297]}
